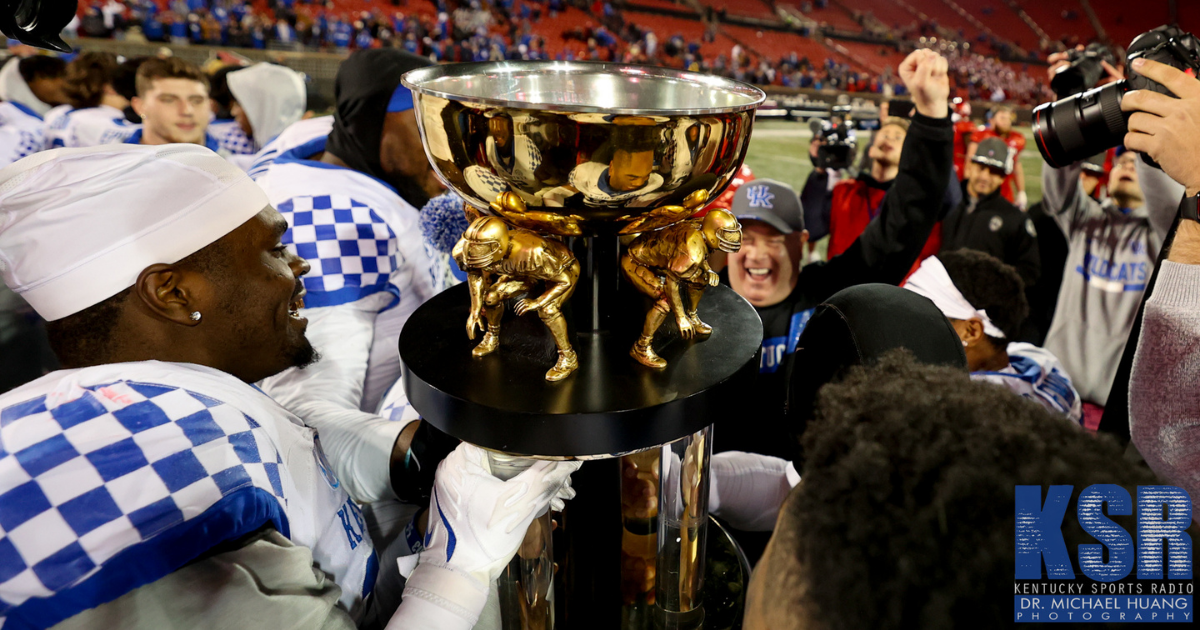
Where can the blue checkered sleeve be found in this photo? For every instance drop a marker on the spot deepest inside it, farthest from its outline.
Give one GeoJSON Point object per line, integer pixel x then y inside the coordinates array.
{"type": "Point", "coordinates": [104, 488]}
{"type": "Point", "coordinates": [351, 249]}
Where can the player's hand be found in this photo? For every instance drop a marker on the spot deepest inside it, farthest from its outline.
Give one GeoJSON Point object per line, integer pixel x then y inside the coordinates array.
{"type": "Point", "coordinates": [686, 329]}
{"type": "Point", "coordinates": [525, 306]}
{"type": "Point", "coordinates": [1164, 127]}
{"type": "Point", "coordinates": [924, 73]}
{"type": "Point", "coordinates": [474, 321]}
{"type": "Point", "coordinates": [713, 278]}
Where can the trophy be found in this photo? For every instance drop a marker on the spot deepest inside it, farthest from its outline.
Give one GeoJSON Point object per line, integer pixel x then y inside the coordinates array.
{"type": "Point", "coordinates": [586, 183]}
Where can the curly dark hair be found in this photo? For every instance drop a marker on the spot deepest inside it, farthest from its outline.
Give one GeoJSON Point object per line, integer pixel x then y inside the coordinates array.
{"type": "Point", "coordinates": [989, 285]}
{"type": "Point", "coordinates": [41, 67]}
{"type": "Point", "coordinates": [905, 515]}
{"type": "Point", "coordinates": [87, 75]}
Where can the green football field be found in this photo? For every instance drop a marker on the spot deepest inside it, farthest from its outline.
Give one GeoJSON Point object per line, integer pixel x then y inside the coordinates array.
{"type": "Point", "coordinates": [779, 150]}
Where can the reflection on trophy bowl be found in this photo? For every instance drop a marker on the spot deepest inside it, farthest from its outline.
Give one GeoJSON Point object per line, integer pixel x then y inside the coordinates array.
{"type": "Point", "coordinates": [583, 148]}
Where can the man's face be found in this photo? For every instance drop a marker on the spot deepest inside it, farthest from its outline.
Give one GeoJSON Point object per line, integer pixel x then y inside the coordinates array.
{"type": "Point", "coordinates": [243, 121]}
{"type": "Point", "coordinates": [403, 159]}
{"type": "Point", "coordinates": [49, 91]}
{"type": "Point", "coordinates": [173, 110]}
{"type": "Point", "coordinates": [1123, 179]}
{"type": "Point", "coordinates": [253, 303]}
{"type": "Point", "coordinates": [764, 270]}
{"type": "Point", "coordinates": [887, 145]}
{"type": "Point", "coordinates": [1002, 121]}
{"type": "Point", "coordinates": [983, 180]}
{"type": "Point", "coordinates": [630, 170]}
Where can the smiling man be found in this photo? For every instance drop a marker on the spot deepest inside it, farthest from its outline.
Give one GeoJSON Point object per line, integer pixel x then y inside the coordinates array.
{"type": "Point", "coordinates": [172, 99]}
{"type": "Point", "coordinates": [149, 483]}
{"type": "Point", "coordinates": [767, 269]}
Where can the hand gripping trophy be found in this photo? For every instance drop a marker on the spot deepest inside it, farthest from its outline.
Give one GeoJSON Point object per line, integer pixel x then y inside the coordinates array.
{"type": "Point", "coordinates": [502, 262]}
{"type": "Point", "coordinates": [666, 264]}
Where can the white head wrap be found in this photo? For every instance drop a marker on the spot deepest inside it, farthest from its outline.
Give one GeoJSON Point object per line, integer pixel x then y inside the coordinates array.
{"type": "Point", "coordinates": [931, 281]}
{"type": "Point", "coordinates": [77, 226]}
{"type": "Point", "coordinates": [14, 88]}
{"type": "Point", "coordinates": [272, 96]}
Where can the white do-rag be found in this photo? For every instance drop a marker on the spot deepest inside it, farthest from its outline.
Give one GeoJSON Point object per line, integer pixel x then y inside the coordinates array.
{"type": "Point", "coordinates": [77, 226]}
{"type": "Point", "coordinates": [272, 96]}
{"type": "Point", "coordinates": [931, 281]}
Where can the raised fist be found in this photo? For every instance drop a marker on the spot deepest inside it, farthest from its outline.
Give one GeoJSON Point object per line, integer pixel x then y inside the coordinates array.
{"type": "Point", "coordinates": [924, 73]}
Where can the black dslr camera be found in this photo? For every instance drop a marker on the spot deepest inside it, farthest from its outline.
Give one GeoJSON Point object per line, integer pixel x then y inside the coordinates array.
{"type": "Point", "coordinates": [838, 141]}
{"type": "Point", "coordinates": [1085, 124]}
{"type": "Point", "coordinates": [1084, 72]}
{"type": "Point", "coordinates": [37, 22]}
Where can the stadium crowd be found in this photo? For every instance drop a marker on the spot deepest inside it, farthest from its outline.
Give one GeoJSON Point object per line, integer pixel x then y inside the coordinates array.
{"type": "Point", "coordinates": [203, 418]}
{"type": "Point", "coordinates": [483, 30]}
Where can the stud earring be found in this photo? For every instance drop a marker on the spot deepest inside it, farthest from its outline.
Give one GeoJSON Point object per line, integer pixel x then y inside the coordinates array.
{"type": "Point", "coordinates": [195, 316]}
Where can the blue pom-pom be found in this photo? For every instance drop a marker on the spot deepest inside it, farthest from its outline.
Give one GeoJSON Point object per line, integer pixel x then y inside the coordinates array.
{"type": "Point", "coordinates": [443, 221]}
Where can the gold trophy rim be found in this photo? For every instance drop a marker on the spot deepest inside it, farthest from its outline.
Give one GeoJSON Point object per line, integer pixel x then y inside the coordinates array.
{"type": "Point", "coordinates": [417, 80]}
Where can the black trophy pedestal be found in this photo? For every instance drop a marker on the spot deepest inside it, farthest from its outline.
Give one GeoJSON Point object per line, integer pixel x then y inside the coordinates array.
{"type": "Point", "coordinates": [610, 405]}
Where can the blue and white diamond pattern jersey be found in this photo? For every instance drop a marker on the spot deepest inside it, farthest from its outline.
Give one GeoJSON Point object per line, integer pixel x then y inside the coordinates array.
{"type": "Point", "coordinates": [351, 249]}
{"type": "Point", "coordinates": [99, 470]}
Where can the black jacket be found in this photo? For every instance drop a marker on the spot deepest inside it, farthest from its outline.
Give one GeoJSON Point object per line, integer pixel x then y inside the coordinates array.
{"type": "Point", "coordinates": [994, 226]}
{"type": "Point", "coordinates": [884, 252]}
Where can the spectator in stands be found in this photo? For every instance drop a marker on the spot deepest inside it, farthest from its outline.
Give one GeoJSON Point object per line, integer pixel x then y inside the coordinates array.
{"type": "Point", "coordinates": [984, 300]}
{"type": "Point", "coordinates": [172, 99]}
{"type": "Point", "coordinates": [95, 109]}
{"type": "Point", "coordinates": [909, 489]}
{"type": "Point", "coordinates": [882, 253]}
{"type": "Point", "coordinates": [984, 221]}
{"type": "Point", "coordinates": [1013, 187]}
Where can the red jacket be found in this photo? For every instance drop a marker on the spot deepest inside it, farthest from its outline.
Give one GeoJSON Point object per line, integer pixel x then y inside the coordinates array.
{"type": "Point", "coordinates": [854, 203]}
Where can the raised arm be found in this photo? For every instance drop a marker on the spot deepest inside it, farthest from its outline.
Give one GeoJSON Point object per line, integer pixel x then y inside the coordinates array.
{"type": "Point", "coordinates": [887, 248]}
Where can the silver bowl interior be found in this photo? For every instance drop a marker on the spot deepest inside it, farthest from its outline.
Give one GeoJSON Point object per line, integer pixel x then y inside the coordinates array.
{"type": "Point", "coordinates": [585, 88]}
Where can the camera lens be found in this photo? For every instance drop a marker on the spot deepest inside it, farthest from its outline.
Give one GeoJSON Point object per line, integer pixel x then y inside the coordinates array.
{"type": "Point", "coordinates": [25, 14]}
{"type": "Point", "coordinates": [1080, 126]}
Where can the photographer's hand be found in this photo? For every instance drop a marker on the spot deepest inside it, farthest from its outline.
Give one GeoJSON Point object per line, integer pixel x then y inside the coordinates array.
{"type": "Point", "coordinates": [924, 73]}
{"type": "Point", "coordinates": [1059, 60]}
{"type": "Point", "coordinates": [1164, 127]}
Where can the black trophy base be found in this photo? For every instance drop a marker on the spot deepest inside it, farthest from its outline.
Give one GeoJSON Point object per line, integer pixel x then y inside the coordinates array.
{"type": "Point", "coordinates": [611, 405]}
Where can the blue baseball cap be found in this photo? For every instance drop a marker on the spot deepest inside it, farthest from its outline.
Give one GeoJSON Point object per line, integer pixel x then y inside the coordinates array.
{"type": "Point", "coordinates": [402, 100]}
{"type": "Point", "coordinates": [771, 202]}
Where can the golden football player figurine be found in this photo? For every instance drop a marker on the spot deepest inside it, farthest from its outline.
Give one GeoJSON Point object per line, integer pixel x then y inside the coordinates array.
{"type": "Point", "coordinates": [502, 262]}
{"type": "Point", "coordinates": [670, 262]}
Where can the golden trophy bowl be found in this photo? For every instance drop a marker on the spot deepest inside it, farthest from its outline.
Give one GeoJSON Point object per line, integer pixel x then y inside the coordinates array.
{"type": "Point", "coordinates": [585, 149]}
{"type": "Point", "coordinates": [581, 344]}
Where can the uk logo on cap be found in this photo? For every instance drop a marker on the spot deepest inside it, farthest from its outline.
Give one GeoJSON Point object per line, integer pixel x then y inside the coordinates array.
{"type": "Point", "coordinates": [760, 197]}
